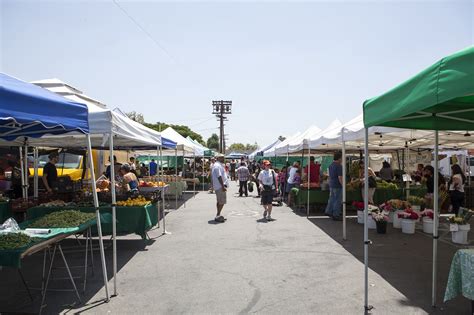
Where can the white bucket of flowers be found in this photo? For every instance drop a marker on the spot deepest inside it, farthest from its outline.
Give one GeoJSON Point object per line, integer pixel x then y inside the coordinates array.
{"type": "Point", "coordinates": [460, 227]}
{"type": "Point", "coordinates": [427, 216]}
{"type": "Point", "coordinates": [408, 220]}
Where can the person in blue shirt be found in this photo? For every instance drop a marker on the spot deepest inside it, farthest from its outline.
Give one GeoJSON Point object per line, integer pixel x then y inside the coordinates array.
{"type": "Point", "coordinates": [333, 208]}
{"type": "Point", "coordinates": [153, 167]}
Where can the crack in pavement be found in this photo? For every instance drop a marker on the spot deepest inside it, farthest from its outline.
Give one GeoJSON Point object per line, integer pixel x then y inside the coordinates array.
{"type": "Point", "coordinates": [256, 295]}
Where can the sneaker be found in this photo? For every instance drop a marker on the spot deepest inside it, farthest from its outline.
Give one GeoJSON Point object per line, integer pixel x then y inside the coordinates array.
{"type": "Point", "coordinates": [265, 214]}
{"type": "Point", "coordinates": [269, 218]}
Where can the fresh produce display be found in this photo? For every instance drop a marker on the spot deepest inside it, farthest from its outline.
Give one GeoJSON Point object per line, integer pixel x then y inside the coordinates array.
{"type": "Point", "coordinates": [462, 218]}
{"type": "Point", "coordinates": [386, 185]}
{"type": "Point", "coordinates": [151, 184]}
{"type": "Point", "coordinates": [14, 240]}
{"type": "Point", "coordinates": [63, 219]}
{"type": "Point", "coordinates": [54, 203]}
{"type": "Point", "coordinates": [395, 204]}
{"type": "Point", "coordinates": [4, 199]}
{"type": "Point", "coordinates": [136, 202]}
{"type": "Point", "coordinates": [88, 204]}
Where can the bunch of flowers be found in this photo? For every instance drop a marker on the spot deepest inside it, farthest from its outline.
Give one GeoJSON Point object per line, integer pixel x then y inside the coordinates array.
{"type": "Point", "coordinates": [462, 218]}
{"type": "Point", "coordinates": [380, 216]}
{"type": "Point", "coordinates": [427, 213]}
{"type": "Point", "coordinates": [359, 205]}
{"type": "Point", "coordinates": [372, 209]}
{"type": "Point", "coordinates": [416, 201]}
{"type": "Point", "coordinates": [395, 204]}
{"type": "Point", "coordinates": [409, 214]}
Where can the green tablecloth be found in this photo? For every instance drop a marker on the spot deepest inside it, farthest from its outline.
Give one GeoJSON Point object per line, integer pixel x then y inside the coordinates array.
{"type": "Point", "coordinates": [136, 220]}
{"type": "Point", "coordinates": [5, 211]}
{"type": "Point", "coordinates": [381, 195]}
{"type": "Point", "coordinates": [12, 258]}
{"type": "Point", "coordinates": [461, 275]}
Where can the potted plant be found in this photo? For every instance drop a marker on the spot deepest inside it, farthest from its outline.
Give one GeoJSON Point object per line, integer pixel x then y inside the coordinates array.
{"type": "Point", "coordinates": [460, 226]}
{"type": "Point", "coordinates": [370, 220]}
{"type": "Point", "coordinates": [416, 202]}
{"type": "Point", "coordinates": [408, 220]}
{"type": "Point", "coordinates": [380, 219]}
{"type": "Point", "coordinates": [396, 206]}
{"type": "Point", "coordinates": [359, 206]}
{"type": "Point", "coordinates": [427, 220]}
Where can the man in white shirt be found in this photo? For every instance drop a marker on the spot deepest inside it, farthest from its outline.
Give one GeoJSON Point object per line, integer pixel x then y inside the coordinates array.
{"type": "Point", "coordinates": [220, 184]}
{"type": "Point", "coordinates": [291, 177]}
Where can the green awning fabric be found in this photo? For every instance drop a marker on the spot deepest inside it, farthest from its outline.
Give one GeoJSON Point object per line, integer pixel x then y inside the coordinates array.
{"type": "Point", "coordinates": [439, 98]}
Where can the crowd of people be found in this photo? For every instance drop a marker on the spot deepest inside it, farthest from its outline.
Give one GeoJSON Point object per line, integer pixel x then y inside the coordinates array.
{"type": "Point", "coordinates": [276, 184]}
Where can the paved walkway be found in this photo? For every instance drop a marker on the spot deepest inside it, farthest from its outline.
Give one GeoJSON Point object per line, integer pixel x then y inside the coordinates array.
{"type": "Point", "coordinates": [246, 265]}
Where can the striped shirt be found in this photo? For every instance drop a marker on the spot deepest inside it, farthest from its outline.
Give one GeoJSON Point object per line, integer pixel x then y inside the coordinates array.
{"type": "Point", "coordinates": [243, 173]}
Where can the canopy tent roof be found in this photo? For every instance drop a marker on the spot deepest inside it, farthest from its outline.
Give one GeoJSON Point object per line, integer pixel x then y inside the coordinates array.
{"type": "Point", "coordinates": [127, 133]}
{"type": "Point", "coordinates": [440, 97]}
{"type": "Point", "coordinates": [30, 111]}
{"type": "Point", "coordinates": [199, 147]}
{"type": "Point", "coordinates": [183, 144]}
{"type": "Point", "coordinates": [266, 148]}
{"type": "Point", "coordinates": [297, 142]}
{"type": "Point", "coordinates": [234, 155]}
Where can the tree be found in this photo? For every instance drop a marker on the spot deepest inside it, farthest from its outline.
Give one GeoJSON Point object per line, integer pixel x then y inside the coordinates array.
{"type": "Point", "coordinates": [239, 147]}
{"type": "Point", "coordinates": [183, 130]}
{"type": "Point", "coordinates": [135, 116]}
{"type": "Point", "coordinates": [281, 138]}
{"type": "Point", "coordinates": [213, 142]}
{"type": "Point", "coordinates": [251, 147]}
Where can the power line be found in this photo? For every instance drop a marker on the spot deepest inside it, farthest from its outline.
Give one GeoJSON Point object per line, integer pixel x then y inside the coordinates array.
{"type": "Point", "coordinates": [143, 30]}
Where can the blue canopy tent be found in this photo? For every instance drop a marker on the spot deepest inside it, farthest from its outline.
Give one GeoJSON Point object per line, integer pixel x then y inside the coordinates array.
{"type": "Point", "coordinates": [27, 111]}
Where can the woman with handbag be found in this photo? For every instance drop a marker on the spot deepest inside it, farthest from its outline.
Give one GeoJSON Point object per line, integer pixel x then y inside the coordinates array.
{"type": "Point", "coordinates": [372, 184]}
{"type": "Point", "coordinates": [269, 187]}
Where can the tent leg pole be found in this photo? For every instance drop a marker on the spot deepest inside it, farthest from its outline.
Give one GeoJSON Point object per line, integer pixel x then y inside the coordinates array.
{"type": "Point", "coordinates": [194, 175]}
{"type": "Point", "coordinates": [97, 213]}
{"type": "Point", "coordinates": [27, 170]}
{"type": "Point", "coordinates": [163, 194]}
{"type": "Point", "coordinates": [160, 180]}
{"type": "Point", "coordinates": [407, 170]}
{"type": "Point", "coordinates": [182, 172]}
{"type": "Point", "coordinates": [366, 211]}
{"type": "Point", "coordinates": [344, 180]}
{"type": "Point", "coordinates": [176, 174]}
{"type": "Point", "coordinates": [114, 210]}
{"type": "Point", "coordinates": [435, 220]}
{"type": "Point", "coordinates": [35, 181]}
{"type": "Point", "coordinates": [309, 180]}
{"type": "Point", "coordinates": [22, 168]}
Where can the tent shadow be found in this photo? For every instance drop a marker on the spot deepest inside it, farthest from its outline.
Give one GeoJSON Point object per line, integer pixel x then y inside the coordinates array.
{"type": "Point", "coordinates": [404, 261]}
{"type": "Point", "coordinates": [14, 297]}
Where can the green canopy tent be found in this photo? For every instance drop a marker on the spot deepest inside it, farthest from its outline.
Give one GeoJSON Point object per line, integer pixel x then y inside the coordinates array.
{"type": "Point", "coordinates": [439, 98]}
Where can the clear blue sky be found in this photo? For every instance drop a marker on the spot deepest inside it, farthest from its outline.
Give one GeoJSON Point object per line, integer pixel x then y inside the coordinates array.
{"type": "Point", "coordinates": [285, 65]}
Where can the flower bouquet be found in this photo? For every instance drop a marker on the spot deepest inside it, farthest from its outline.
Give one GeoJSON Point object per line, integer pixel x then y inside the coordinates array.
{"type": "Point", "coordinates": [460, 226]}
{"type": "Point", "coordinates": [427, 216]}
{"type": "Point", "coordinates": [381, 219]}
{"type": "Point", "coordinates": [408, 220]}
{"type": "Point", "coordinates": [395, 206]}
{"type": "Point", "coordinates": [359, 206]}
{"type": "Point", "coordinates": [416, 202]}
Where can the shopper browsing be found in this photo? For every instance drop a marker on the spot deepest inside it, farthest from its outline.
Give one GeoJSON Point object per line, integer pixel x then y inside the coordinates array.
{"type": "Point", "coordinates": [220, 184]}
{"type": "Point", "coordinates": [269, 187]}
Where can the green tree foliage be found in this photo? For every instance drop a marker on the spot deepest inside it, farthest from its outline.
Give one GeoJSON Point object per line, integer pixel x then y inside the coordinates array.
{"type": "Point", "coordinates": [281, 138]}
{"type": "Point", "coordinates": [213, 142]}
{"type": "Point", "coordinates": [240, 147]}
{"type": "Point", "coordinates": [135, 116]}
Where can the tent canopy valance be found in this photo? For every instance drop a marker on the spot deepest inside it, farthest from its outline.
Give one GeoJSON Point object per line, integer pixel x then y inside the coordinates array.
{"type": "Point", "coordinates": [20, 114]}
{"type": "Point", "coordinates": [438, 98]}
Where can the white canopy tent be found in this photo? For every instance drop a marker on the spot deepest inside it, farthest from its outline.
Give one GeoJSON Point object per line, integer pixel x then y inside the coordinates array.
{"type": "Point", "coordinates": [283, 146]}
{"type": "Point", "coordinates": [268, 148]}
{"type": "Point", "coordinates": [108, 129]}
{"type": "Point", "coordinates": [296, 143]}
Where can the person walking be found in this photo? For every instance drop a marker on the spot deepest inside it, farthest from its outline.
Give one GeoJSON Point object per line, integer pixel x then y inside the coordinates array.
{"type": "Point", "coordinates": [233, 167]}
{"type": "Point", "coordinates": [220, 184]}
{"type": "Point", "coordinates": [333, 208]}
{"type": "Point", "coordinates": [211, 166]}
{"type": "Point", "coordinates": [243, 175]}
{"type": "Point", "coordinates": [269, 187]}
{"type": "Point", "coordinates": [153, 167]}
{"type": "Point", "coordinates": [456, 188]}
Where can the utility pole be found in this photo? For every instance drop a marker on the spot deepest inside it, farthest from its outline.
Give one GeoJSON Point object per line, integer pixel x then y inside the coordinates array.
{"type": "Point", "coordinates": [220, 109]}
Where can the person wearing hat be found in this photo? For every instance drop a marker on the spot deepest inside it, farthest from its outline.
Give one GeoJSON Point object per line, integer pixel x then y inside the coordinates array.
{"type": "Point", "coordinates": [268, 187]}
{"type": "Point", "coordinates": [220, 184]}
{"type": "Point", "coordinates": [50, 173]}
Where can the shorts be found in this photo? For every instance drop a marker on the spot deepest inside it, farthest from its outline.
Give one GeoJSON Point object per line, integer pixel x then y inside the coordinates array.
{"type": "Point", "coordinates": [221, 196]}
{"type": "Point", "coordinates": [267, 197]}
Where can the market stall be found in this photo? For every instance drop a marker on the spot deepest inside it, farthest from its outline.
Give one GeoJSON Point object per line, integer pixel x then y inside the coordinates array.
{"type": "Point", "coordinates": [440, 97]}
{"type": "Point", "coordinates": [28, 113]}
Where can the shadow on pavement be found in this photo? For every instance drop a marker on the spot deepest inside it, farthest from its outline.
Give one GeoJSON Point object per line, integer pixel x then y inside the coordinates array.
{"type": "Point", "coordinates": [404, 261]}
{"type": "Point", "coordinates": [14, 297]}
